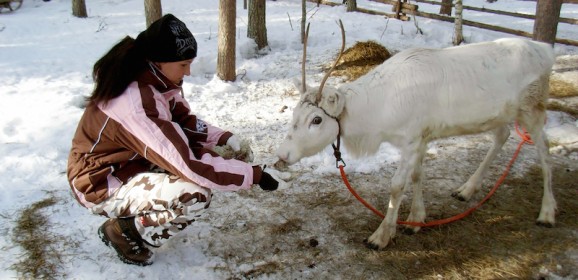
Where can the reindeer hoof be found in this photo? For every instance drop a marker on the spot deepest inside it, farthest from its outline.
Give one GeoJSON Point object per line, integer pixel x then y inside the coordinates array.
{"type": "Point", "coordinates": [458, 196]}
{"type": "Point", "coordinates": [409, 230]}
{"type": "Point", "coordinates": [370, 245]}
{"type": "Point", "coordinates": [545, 224]}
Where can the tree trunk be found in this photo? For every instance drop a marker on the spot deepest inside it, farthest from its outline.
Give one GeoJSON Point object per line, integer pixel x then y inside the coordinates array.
{"type": "Point", "coordinates": [546, 23]}
{"type": "Point", "coordinates": [79, 8]}
{"type": "Point", "coordinates": [351, 5]}
{"type": "Point", "coordinates": [446, 8]}
{"type": "Point", "coordinates": [153, 11]}
{"type": "Point", "coordinates": [226, 49]}
{"type": "Point", "coordinates": [458, 34]}
{"type": "Point", "coordinates": [257, 29]}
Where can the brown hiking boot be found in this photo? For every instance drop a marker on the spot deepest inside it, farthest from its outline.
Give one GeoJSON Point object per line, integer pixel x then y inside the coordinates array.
{"type": "Point", "coordinates": [121, 234]}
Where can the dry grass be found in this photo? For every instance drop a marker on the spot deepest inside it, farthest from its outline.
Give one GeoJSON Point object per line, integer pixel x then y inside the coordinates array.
{"type": "Point", "coordinates": [244, 154]}
{"type": "Point", "coordinates": [360, 59]}
{"type": "Point", "coordinates": [41, 258]}
{"type": "Point", "coordinates": [560, 88]}
{"type": "Point", "coordinates": [291, 225]}
{"type": "Point", "coordinates": [555, 105]}
{"type": "Point", "coordinates": [560, 92]}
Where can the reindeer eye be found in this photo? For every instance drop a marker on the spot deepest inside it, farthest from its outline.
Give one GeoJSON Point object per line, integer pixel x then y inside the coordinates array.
{"type": "Point", "coordinates": [316, 120]}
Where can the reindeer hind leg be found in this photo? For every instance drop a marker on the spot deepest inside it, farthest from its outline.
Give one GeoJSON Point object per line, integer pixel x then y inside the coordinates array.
{"type": "Point", "coordinates": [474, 183]}
{"type": "Point", "coordinates": [533, 121]}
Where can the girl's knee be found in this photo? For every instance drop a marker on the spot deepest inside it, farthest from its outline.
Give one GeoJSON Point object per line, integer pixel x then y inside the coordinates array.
{"type": "Point", "coordinates": [197, 197]}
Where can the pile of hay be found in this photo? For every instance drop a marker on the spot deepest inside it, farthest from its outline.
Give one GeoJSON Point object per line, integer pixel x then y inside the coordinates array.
{"type": "Point", "coordinates": [563, 95]}
{"type": "Point", "coordinates": [360, 59]}
{"type": "Point", "coordinates": [560, 88]}
{"type": "Point", "coordinates": [564, 85]}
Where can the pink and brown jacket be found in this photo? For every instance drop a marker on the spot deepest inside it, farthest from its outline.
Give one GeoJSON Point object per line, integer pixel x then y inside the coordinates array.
{"type": "Point", "coordinates": [149, 125]}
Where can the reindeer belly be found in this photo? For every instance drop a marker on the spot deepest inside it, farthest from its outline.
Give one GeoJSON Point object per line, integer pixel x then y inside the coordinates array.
{"type": "Point", "coordinates": [477, 118]}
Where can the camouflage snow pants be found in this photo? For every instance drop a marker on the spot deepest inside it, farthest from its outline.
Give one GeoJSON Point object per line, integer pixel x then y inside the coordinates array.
{"type": "Point", "coordinates": [163, 205]}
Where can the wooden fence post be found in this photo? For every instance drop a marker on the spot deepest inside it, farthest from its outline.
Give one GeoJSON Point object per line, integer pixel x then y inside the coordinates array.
{"type": "Point", "coordinates": [398, 9]}
{"type": "Point", "coordinates": [546, 23]}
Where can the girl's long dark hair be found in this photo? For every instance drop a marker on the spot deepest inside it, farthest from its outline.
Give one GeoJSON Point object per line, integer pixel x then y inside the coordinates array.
{"type": "Point", "coordinates": [113, 72]}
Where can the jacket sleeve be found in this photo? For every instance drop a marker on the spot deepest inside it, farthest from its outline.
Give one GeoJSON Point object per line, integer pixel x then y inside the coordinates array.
{"type": "Point", "coordinates": [146, 117]}
{"type": "Point", "coordinates": [197, 130]}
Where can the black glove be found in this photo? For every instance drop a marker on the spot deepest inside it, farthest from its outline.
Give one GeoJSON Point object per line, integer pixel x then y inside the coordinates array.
{"type": "Point", "coordinates": [271, 179]}
{"type": "Point", "coordinates": [267, 182]}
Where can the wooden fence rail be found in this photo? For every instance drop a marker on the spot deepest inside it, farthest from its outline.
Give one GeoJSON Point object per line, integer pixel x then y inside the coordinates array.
{"type": "Point", "coordinates": [411, 9]}
{"type": "Point", "coordinates": [490, 27]}
{"type": "Point", "coordinates": [498, 12]}
{"type": "Point", "coordinates": [493, 27]}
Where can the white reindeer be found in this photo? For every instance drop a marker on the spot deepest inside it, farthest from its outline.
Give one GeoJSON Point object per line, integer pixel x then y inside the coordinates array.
{"type": "Point", "coordinates": [419, 95]}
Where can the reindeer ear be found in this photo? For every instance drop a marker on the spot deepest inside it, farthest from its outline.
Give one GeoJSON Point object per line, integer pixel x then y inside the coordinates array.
{"type": "Point", "coordinates": [309, 95]}
{"type": "Point", "coordinates": [332, 102]}
{"type": "Point", "coordinates": [298, 84]}
{"type": "Point", "coordinates": [332, 99]}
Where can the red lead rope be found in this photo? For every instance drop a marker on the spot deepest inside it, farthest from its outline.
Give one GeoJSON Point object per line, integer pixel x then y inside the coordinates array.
{"type": "Point", "coordinates": [525, 139]}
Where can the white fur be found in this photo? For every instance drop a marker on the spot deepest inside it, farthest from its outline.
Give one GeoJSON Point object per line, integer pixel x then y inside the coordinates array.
{"type": "Point", "coordinates": [420, 95]}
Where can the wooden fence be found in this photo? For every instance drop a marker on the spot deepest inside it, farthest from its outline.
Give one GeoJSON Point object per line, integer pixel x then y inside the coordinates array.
{"type": "Point", "coordinates": [401, 9]}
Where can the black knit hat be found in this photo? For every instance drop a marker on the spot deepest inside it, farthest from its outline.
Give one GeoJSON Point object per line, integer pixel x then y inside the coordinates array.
{"type": "Point", "coordinates": [167, 40]}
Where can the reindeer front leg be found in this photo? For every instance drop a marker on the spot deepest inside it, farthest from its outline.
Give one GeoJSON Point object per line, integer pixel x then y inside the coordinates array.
{"type": "Point", "coordinates": [386, 231]}
{"type": "Point", "coordinates": [417, 213]}
{"type": "Point", "coordinates": [408, 173]}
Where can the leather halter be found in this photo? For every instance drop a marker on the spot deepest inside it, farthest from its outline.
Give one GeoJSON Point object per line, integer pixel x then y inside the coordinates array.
{"type": "Point", "coordinates": [336, 151]}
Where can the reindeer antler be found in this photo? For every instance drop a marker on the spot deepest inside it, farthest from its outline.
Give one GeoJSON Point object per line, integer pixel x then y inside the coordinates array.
{"type": "Point", "coordinates": [318, 98]}
{"type": "Point", "coordinates": [303, 83]}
